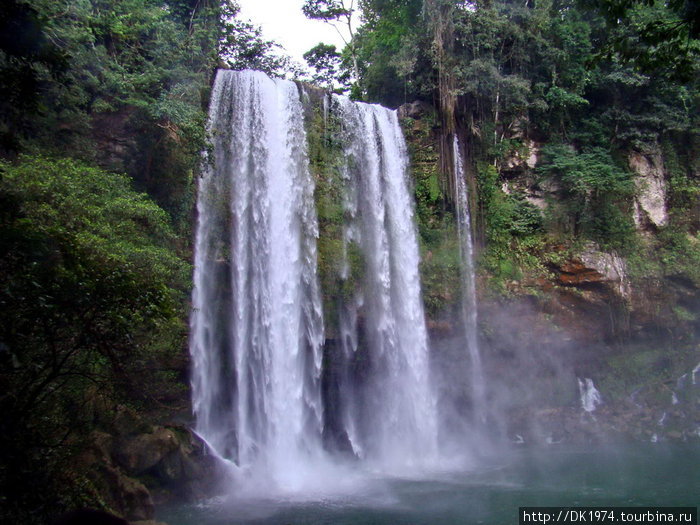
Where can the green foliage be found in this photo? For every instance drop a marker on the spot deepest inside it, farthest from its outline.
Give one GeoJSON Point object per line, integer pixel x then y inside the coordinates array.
{"type": "Point", "coordinates": [437, 228]}
{"type": "Point", "coordinates": [242, 45]}
{"type": "Point", "coordinates": [514, 231]}
{"type": "Point", "coordinates": [524, 68]}
{"type": "Point", "coordinates": [672, 253]}
{"type": "Point", "coordinates": [647, 373]}
{"type": "Point", "coordinates": [389, 45]}
{"type": "Point", "coordinates": [94, 288]}
{"type": "Point", "coordinates": [25, 51]}
{"type": "Point", "coordinates": [505, 214]}
{"type": "Point", "coordinates": [341, 15]}
{"type": "Point", "coordinates": [440, 272]}
{"type": "Point", "coordinates": [327, 63]}
{"type": "Point", "coordinates": [683, 184]}
{"type": "Point", "coordinates": [683, 314]}
{"type": "Point", "coordinates": [125, 85]}
{"type": "Point", "coordinates": [324, 9]}
{"type": "Point", "coordinates": [564, 74]}
{"type": "Point", "coordinates": [679, 253]}
{"type": "Point", "coordinates": [128, 92]}
{"type": "Point", "coordinates": [340, 262]}
{"type": "Point", "coordinates": [656, 37]}
{"type": "Point", "coordinates": [91, 302]}
{"type": "Point", "coordinates": [597, 193]}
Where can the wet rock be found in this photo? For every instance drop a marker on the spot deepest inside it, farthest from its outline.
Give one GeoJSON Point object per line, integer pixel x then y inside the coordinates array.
{"type": "Point", "coordinates": [189, 472]}
{"type": "Point", "coordinates": [170, 462]}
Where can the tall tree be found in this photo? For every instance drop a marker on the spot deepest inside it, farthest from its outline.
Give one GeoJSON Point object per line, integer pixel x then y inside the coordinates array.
{"type": "Point", "coordinates": [340, 14]}
{"type": "Point", "coordinates": [327, 63]}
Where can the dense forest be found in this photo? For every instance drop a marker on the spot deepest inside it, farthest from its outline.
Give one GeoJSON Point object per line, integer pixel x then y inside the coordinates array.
{"type": "Point", "coordinates": [561, 104]}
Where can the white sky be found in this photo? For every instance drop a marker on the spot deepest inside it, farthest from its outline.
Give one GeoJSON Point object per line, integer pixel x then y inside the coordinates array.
{"type": "Point", "coordinates": [283, 22]}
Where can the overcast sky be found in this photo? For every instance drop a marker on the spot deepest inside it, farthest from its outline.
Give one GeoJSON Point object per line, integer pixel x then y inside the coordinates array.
{"type": "Point", "coordinates": [283, 22]}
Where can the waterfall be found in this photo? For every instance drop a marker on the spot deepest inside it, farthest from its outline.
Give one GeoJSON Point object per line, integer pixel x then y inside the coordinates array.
{"type": "Point", "coordinates": [469, 310]}
{"type": "Point", "coordinates": [257, 326]}
{"type": "Point", "coordinates": [589, 395]}
{"type": "Point", "coordinates": [388, 404]}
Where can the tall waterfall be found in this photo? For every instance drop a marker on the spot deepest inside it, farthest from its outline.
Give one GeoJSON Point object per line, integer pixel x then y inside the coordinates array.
{"type": "Point", "coordinates": [469, 309]}
{"type": "Point", "coordinates": [388, 405]}
{"type": "Point", "coordinates": [257, 329]}
{"type": "Point", "coordinates": [257, 326]}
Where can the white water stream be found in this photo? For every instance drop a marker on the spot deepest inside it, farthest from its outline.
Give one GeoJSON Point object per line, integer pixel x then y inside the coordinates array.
{"type": "Point", "coordinates": [257, 328]}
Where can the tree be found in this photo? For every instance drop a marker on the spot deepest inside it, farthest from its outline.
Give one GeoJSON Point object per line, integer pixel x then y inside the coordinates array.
{"type": "Point", "coordinates": [393, 48]}
{"type": "Point", "coordinates": [242, 45]}
{"type": "Point", "coordinates": [687, 12]}
{"type": "Point", "coordinates": [92, 306]}
{"type": "Point", "coordinates": [24, 51]}
{"type": "Point", "coordinates": [338, 14]}
{"type": "Point", "coordinates": [327, 63]}
{"type": "Point", "coordinates": [657, 37]}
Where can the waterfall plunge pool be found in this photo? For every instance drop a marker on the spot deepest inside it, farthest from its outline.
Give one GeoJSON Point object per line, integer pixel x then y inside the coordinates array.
{"type": "Point", "coordinates": [634, 475]}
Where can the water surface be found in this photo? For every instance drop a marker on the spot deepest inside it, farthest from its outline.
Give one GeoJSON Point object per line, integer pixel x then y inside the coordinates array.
{"type": "Point", "coordinates": [639, 475]}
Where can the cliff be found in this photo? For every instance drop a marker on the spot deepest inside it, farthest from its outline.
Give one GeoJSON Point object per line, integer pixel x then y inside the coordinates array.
{"type": "Point", "coordinates": [557, 308]}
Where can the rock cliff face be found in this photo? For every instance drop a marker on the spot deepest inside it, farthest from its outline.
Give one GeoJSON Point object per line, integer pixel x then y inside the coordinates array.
{"type": "Point", "coordinates": [625, 319]}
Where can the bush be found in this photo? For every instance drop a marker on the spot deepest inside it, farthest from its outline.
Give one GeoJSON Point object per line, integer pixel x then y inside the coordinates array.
{"type": "Point", "coordinates": [596, 193]}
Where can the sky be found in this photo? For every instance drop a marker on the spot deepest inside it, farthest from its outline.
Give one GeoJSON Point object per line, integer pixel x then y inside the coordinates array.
{"type": "Point", "coordinates": [283, 22]}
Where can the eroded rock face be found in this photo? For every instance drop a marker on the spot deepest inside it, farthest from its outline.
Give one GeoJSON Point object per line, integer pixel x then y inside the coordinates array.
{"type": "Point", "coordinates": [650, 204]}
{"type": "Point", "coordinates": [115, 138]}
{"type": "Point", "coordinates": [595, 266]}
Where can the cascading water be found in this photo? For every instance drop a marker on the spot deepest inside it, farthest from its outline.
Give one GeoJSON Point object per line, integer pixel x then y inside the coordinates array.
{"type": "Point", "coordinates": [257, 326]}
{"type": "Point", "coordinates": [590, 397]}
{"type": "Point", "coordinates": [469, 309]}
{"type": "Point", "coordinates": [387, 402]}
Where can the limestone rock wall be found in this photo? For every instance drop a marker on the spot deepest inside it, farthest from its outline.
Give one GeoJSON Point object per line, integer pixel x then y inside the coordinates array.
{"type": "Point", "coordinates": [650, 202]}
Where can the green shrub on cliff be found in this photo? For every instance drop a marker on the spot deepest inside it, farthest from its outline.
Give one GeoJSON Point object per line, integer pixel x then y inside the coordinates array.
{"type": "Point", "coordinates": [596, 193]}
